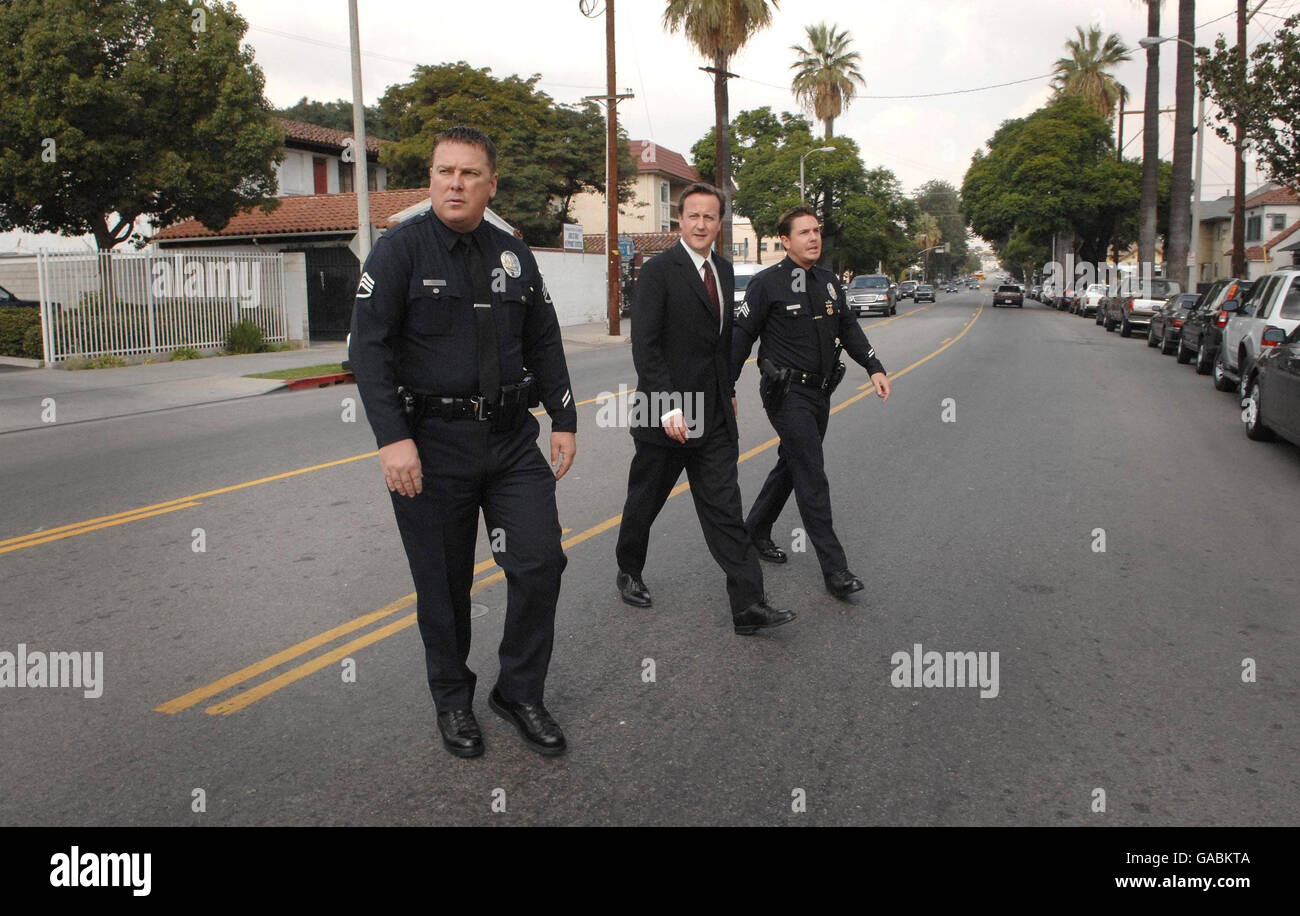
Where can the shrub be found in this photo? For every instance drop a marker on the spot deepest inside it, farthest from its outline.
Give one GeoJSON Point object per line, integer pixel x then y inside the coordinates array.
{"type": "Point", "coordinates": [15, 322]}
{"type": "Point", "coordinates": [106, 361]}
{"type": "Point", "coordinates": [244, 337]}
{"type": "Point", "coordinates": [184, 353]}
{"type": "Point", "coordinates": [33, 344]}
{"type": "Point", "coordinates": [275, 348]}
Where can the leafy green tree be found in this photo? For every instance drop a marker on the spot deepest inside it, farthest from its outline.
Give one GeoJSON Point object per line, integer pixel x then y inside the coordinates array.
{"type": "Point", "coordinates": [718, 29]}
{"type": "Point", "coordinates": [1085, 72]}
{"type": "Point", "coordinates": [940, 199]}
{"type": "Point", "coordinates": [336, 115]}
{"type": "Point", "coordinates": [546, 153]}
{"type": "Point", "coordinates": [1265, 99]}
{"type": "Point", "coordinates": [826, 72]}
{"type": "Point", "coordinates": [115, 109]}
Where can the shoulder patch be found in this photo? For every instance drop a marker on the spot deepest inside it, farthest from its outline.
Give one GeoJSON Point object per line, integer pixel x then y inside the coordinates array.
{"type": "Point", "coordinates": [742, 310]}
{"type": "Point", "coordinates": [366, 286]}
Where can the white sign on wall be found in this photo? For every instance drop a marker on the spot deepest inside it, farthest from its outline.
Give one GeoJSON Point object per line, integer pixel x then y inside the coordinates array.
{"type": "Point", "coordinates": [572, 237]}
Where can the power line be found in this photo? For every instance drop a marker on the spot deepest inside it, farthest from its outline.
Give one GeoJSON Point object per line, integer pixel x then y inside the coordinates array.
{"type": "Point", "coordinates": [923, 95]}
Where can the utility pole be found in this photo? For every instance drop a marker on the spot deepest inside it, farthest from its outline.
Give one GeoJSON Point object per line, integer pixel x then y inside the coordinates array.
{"type": "Point", "coordinates": [611, 99]}
{"type": "Point", "coordinates": [1238, 155]}
{"type": "Point", "coordinates": [722, 148]}
{"type": "Point", "coordinates": [361, 167]}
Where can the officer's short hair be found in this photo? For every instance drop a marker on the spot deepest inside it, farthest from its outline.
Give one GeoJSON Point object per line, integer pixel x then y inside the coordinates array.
{"type": "Point", "coordinates": [471, 136]}
{"type": "Point", "coordinates": [700, 187]}
{"type": "Point", "coordinates": [789, 216]}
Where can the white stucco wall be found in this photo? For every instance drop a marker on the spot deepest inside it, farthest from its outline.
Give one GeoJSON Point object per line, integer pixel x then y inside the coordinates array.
{"type": "Point", "coordinates": [576, 283]}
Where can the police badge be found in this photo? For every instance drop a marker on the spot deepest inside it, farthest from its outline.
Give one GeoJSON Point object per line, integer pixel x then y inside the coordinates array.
{"type": "Point", "coordinates": [830, 290]}
{"type": "Point", "coordinates": [510, 261]}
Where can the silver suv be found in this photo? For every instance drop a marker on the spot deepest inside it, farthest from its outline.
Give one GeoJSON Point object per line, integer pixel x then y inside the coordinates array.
{"type": "Point", "coordinates": [1274, 303]}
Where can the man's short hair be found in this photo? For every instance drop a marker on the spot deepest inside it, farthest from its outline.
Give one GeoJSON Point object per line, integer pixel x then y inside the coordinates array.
{"type": "Point", "coordinates": [471, 136]}
{"type": "Point", "coordinates": [700, 187]}
{"type": "Point", "coordinates": [789, 216]}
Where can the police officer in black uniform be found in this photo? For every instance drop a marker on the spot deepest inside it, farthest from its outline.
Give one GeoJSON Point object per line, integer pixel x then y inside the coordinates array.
{"type": "Point", "coordinates": [454, 338]}
{"type": "Point", "coordinates": [798, 310]}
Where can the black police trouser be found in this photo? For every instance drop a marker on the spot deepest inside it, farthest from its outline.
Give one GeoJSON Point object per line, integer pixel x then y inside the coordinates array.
{"type": "Point", "coordinates": [468, 467]}
{"type": "Point", "coordinates": [711, 469]}
{"type": "Point", "coordinates": [800, 420]}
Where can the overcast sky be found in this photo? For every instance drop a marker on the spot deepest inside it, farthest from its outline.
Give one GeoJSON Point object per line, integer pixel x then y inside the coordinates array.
{"type": "Point", "coordinates": [908, 48]}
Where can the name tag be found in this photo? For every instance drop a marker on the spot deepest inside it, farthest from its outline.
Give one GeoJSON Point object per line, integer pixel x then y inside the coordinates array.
{"type": "Point", "coordinates": [434, 282]}
{"type": "Point", "coordinates": [792, 308]}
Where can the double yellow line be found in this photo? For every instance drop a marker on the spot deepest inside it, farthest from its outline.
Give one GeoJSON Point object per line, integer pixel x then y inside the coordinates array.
{"type": "Point", "coordinates": [333, 656]}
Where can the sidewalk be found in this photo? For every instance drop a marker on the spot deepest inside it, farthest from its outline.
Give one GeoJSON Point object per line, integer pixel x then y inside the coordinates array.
{"type": "Point", "coordinates": [101, 394]}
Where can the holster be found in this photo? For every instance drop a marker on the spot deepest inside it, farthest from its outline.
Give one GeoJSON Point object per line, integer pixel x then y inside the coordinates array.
{"type": "Point", "coordinates": [837, 371]}
{"type": "Point", "coordinates": [773, 384]}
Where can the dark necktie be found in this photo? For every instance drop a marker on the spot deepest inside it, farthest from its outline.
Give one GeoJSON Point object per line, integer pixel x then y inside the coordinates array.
{"type": "Point", "coordinates": [489, 358]}
{"type": "Point", "coordinates": [711, 285]}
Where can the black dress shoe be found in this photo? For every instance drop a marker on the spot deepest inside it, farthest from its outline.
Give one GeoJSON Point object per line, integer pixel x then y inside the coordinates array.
{"type": "Point", "coordinates": [632, 590]}
{"type": "Point", "coordinates": [539, 731]}
{"type": "Point", "coordinates": [769, 551]}
{"type": "Point", "coordinates": [843, 583]}
{"type": "Point", "coordinates": [460, 732]}
{"type": "Point", "coordinates": [759, 616]}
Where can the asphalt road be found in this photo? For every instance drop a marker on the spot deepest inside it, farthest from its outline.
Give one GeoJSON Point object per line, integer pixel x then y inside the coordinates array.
{"type": "Point", "coordinates": [226, 670]}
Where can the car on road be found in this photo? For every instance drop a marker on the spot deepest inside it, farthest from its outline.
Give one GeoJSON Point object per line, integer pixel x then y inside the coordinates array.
{"type": "Point", "coordinates": [1271, 389]}
{"type": "Point", "coordinates": [1009, 294]}
{"type": "Point", "coordinates": [924, 291]}
{"type": "Point", "coordinates": [1274, 302]}
{"type": "Point", "coordinates": [871, 293]}
{"type": "Point", "coordinates": [744, 273]}
{"type": "Point", "coordinates": [1090, 301]}
{"type": "Point", "coordinates": [1135, 302]}
{"type": "Point", "coordinates": [951, 288]}
{"type": "Point", "coordinates": [1203, 328]}
{"type": "Point", "coordinates": [8, 298]}
{"type": "Point", "coordinates": [907, 289]}
{"type": "Point", "coordinates": [1167, 321]}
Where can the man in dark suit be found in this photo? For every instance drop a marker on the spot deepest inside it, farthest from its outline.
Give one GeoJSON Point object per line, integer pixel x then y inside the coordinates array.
{"type": "Point", "coordinates": [685, 414]}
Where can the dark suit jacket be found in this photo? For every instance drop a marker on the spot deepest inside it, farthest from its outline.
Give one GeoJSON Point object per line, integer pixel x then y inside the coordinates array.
{"type": "Point", "coordinates": [677, 347]}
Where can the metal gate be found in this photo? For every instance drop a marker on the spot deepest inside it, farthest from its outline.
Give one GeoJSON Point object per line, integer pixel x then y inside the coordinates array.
{"type": "Point", "coordinates": [128, 303]}
{"type": "Point", "coordinates": [332, 277]}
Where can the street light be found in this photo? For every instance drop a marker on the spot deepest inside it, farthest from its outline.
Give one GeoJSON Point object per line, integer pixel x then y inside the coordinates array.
{"type": "Point", "coordinates": [1150, 41]}
{"type": "Point", "coordinates": [820, 149]}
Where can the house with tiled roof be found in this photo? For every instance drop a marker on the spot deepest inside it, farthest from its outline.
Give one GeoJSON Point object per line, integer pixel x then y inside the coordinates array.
{"type": "Point", "coordinates": [314, 160]}
{"type": "Point", "coordinates": [662, 175]}
{"type": "Point", "coordinates": [1272, 220]}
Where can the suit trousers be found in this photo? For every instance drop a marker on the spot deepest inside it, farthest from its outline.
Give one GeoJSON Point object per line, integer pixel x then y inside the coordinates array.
{"type": "Point", "coordinates": [711, 469]}
{"type": "Point", "coordinates": [468, 467]}
{"type": "Point", "coordinates": [800, 420]}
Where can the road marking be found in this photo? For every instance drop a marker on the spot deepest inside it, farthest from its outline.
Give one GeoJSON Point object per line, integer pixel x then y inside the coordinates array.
{"type": "Point", "coordinates": [284, 679]}
{"type": "Point", "coordinates": [132, 515]}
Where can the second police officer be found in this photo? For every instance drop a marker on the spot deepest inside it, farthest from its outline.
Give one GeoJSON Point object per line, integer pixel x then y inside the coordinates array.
{"type": "Point", "coordinates": [799, 314]}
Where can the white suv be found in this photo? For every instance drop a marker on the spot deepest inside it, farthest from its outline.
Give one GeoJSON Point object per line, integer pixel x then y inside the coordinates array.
{"type": "Point", "coordinates": [1274, 303]}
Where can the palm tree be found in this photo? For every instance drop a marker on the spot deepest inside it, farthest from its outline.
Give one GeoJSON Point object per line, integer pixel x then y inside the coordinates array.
{"type": "Point", "coordinates": [718, 29]}
{"type": "Point", "coordinates": [1084, 72]}
{"type": "Point", "coordinates": [928, 233]}
{"type": "Point", "coordinates": [1182, 234]}
{"type": "Point", "coordinates": [826, 72]}
{"type": "Point", "coordinates": [1150, 143]}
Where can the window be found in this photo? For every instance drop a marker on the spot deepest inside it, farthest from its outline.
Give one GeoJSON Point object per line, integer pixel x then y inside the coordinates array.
{"type": "Point", "coordinates": [1276, 222]}
{"type": "Point", "coordinates": [762, 246]}
{"type": "Point", "coordinates": [1291, 304]}
{"type": "Point", "coordinates": [1253, 228]}
{"type": "Point", "coordinates": [663, 192]}
{"type": "Point", "coordinates": [345, 177]}
{"type": "Point", "coordinates": [777, 246]}
{"type": "Point", "coordinates": [320, 179]}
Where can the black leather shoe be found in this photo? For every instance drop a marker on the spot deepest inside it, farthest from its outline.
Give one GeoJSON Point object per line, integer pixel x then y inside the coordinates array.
{"type": "Point", "coordinates": [460, 732]}
{"type": "Point", "coordinates": [632, 590]}
{"type": "Point", "coordinates": [769, 551]}
{"type": "Point", "coordinates": [759, 616]}
{"type": "Point", "coordinates": [539, 731]}
{"type": "Point", "coordinates": [843, 583]}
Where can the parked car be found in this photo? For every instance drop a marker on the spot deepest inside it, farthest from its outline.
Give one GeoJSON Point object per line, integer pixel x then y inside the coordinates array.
{"type": "Point", "coordinates": [871, 293]}
{"type": "Point", "coordinates": [1167, 321]}
{"type": "Point", "coordinates": [924, 291]}
{"type": "Point", "coordinates": [1134, 303]}
{"type": "Point", "coordinates": [1008, 294]}
{"type": "Point", "coordinates": [1271, 389]}
{"type": "Point", "coordinates": [744, 273]}
{"type": "Point", "coordinates": [1090, 300]}
{"type": "Point", "coordinates": [907, 289]}
{"type": "Point", "coordinates": [1064, 301]}
{"type": "Point", "coordinates": [1203, 328]}
{"type": "Point", "coordinates": [1274, 302]}
{"type": "Point", "coordinates": [8, 298]}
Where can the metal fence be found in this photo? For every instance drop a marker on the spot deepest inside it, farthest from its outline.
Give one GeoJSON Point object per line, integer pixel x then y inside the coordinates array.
{"type": "Point", "coordinates": [136, 303]}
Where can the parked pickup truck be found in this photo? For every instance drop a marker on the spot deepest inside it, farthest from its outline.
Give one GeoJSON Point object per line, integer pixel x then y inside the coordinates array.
{"type": "Point", "coordinates": [1135, 302]}
{"type": "Point", "coordinates": [1274, 302]}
